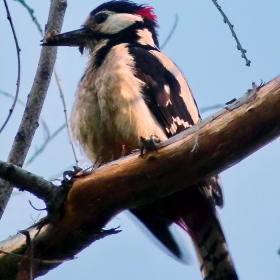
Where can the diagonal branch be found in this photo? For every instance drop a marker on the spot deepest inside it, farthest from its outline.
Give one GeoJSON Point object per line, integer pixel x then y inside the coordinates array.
{"type": "Point", "coordinates": [225, 138]}
{"type": "Point", "coordinates": [226, 20]}
{"type": "Point", "coordinates": [34, 19]}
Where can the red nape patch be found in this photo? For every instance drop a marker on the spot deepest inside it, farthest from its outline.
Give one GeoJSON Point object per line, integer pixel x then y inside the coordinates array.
{"type": "Point", "coordinates": [147, 12]}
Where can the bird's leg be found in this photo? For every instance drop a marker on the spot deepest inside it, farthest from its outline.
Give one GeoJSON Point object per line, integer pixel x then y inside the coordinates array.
{"type": "Point", "coordinates": [149, 143]}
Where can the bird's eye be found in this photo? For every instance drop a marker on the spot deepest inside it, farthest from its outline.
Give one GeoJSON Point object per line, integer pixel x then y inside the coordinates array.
{"type": "Point", "coordinates": [100, 18]}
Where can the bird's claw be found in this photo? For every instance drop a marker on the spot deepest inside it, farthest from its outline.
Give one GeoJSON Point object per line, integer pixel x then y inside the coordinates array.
{"type": "Point", "coordinates": [149, 143]}
{"type": "Point", "coordinates": [68, 175]}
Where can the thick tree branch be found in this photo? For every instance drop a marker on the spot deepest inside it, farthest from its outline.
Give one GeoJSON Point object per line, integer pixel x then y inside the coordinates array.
{"type": "Point", "coordinates": [35, 101]}
{"type": "Point", "coordinates": [223, 140]}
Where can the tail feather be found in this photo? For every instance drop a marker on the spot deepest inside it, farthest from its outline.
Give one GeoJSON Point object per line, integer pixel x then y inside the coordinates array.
{"type": "Point", "coordinates": [213, 255]}
{"type": "Point", "coordinates": [159, 227]}
{"type": "Point", "coordinates": [193, 209]}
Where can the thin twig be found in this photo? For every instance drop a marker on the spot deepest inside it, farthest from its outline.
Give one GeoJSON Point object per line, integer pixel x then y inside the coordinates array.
{"type": "Point", "coordinates": [31, 12]}
{"type": "Point", "coordinates": [43, 146]}
{"type": "Point", "coordinates": [46, 130]}
{"type": "Point", "coordinates": [34, 19]}
{"type": "Point", "coordinates": [9, 95]}
{"type": "Point", "coordinates": [29, 122]}
{"type": "Point", "coordinates": [66, 116]}
{"type": "Point", "coordinates": [37, 209]}
{"type": "Point", "coordinates": [18, 62]}
{"type": "Point", "coordinates": [213, 107]}
{"type": "Point", "coordinates": [171, 32]}
{"type": "Point", "coordinates": [48, 137]}
{"type": "Point", "coordinates": [19, 101]}
{"type": "Point", "coordinates": [226, 20]}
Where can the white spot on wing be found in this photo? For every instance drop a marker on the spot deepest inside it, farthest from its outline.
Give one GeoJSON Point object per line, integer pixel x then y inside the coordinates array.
{"type": "Point", "coordinates": [176, 121]}
{"type": "Point", "coordinates": [168, 102]}
{"type": "Point", "coordinates": [181, 122]}
{"type": "Point", "coordinates": [167, 89]}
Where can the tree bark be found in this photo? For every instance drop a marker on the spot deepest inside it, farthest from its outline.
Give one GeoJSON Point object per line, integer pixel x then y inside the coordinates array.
{"type": "Point", "coordinates": [212, 146]}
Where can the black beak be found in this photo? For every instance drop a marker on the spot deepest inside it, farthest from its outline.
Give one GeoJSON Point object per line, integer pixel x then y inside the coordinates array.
{"type": "Point", "coordinates": [76, 38]}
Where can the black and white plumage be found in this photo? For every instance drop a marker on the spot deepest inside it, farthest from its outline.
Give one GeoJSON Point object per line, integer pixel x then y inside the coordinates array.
{"type": "Point", "coordinates": [131, 90]}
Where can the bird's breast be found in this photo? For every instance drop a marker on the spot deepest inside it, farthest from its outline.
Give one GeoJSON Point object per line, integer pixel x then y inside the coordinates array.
{"type": "Point", "coordinates": [110, 114]}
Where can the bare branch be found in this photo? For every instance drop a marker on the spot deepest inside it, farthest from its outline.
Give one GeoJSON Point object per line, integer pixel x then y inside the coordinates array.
{"type": "Point", "coordinates": [225, 138]}
{"type": "Point", "coordinates": [9, 95]}
{"type": "Point", "coordinates": [34, 19]}
{"type": "Point", "coordinates": [27, 181]}
{"type": "Point", "coordinates": [18, 62]}
{"type": "Point", "coordinates": [35, 101]}
{"type": "Point", "coordinates": [226, 20]}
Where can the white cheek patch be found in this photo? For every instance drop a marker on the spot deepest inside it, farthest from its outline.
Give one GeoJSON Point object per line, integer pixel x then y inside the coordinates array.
{"type": "Point", "coordinates": [117, 22]}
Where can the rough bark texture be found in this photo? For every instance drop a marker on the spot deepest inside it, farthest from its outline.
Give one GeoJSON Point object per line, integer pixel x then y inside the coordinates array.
{"type": "Point", "coordinates": [224, 139]}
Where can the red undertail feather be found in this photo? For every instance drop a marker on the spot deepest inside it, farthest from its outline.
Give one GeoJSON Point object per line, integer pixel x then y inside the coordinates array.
{"type": "Point", "coordinates": [194, 211]}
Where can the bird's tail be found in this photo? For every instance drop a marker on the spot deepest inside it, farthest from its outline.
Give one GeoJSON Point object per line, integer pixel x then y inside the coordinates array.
{"type": "Point", "coordinates": [211, 250]}
{"type": "Point", "coordinates": [196, 214]}
{"type": "Point", "coordinates": [193, 209]}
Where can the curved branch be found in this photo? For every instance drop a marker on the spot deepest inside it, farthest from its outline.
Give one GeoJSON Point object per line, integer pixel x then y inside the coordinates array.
{"type": "Point", "coordinates": [226, 20]}
{"type": "Point", "coordinates": [224, 138]}
{"type": "Point", "coordinates": [66, 116]}
{"type": "Point", "coordinates": [34, 19]}
{"type": "Point", "coordinates": [35, 101]}
{"type": "Point", "coordinates": [18, 72]}
{"type": "Point", "coordinates": [44, 145]}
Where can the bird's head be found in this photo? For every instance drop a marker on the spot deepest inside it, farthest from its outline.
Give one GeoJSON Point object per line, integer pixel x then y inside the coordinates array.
{"type": "Point", "coordinates": [114, 21]}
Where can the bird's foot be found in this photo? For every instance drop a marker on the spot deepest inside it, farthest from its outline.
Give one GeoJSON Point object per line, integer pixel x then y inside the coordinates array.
{"type": "Point", "coordinates": [77, 171]}
{"type": "Point", "coordinates": [149, 143]}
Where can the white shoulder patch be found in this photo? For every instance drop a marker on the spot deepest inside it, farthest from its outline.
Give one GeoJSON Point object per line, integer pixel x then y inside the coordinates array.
{"type": "Point", "coordinates": [146, 37]}
{"type": "Point", "coordinates": [185, 90]}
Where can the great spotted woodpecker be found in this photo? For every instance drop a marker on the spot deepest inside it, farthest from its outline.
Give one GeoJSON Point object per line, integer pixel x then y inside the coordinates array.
{"type": "Point", "coordinates": [130, 90]}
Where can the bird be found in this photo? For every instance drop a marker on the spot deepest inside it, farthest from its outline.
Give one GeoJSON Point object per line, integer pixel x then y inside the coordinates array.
{"type": "Point", "coordinates": [131, 91]}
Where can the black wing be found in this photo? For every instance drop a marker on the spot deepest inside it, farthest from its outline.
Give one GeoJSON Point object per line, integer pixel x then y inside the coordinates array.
{"type": "Point", "coordinates": [162, 92]}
